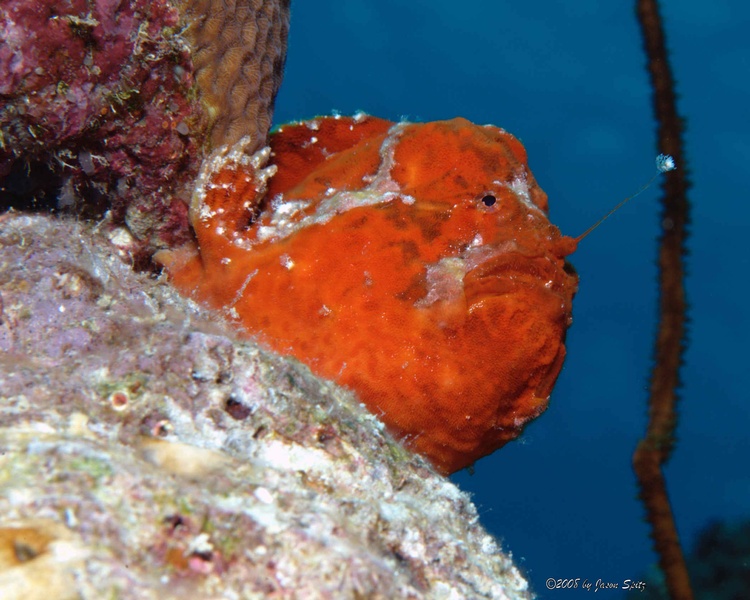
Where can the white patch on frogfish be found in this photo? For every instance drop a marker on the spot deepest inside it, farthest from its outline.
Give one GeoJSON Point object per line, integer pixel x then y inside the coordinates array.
{"type": "Point", "coordinates": [380, 189]}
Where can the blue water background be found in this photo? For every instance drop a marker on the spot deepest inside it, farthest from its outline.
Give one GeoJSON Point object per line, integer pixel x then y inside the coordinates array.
{"type": "Point", "coordinates": [568, 79]}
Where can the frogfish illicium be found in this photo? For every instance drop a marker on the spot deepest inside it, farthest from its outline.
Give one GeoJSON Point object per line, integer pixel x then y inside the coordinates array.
{"type": "Point", "coordinates": [413, 263]}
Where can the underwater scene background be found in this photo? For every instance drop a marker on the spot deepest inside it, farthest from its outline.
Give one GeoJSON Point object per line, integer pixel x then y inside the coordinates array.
{"type": "Point", "coordinates": [569, 80]}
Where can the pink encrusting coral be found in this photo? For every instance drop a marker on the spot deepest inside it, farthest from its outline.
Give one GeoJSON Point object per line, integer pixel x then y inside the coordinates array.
{"type": "Point", "coordinates": [109, 105]}
{"type": "Point", "coordinates": [99, 94]}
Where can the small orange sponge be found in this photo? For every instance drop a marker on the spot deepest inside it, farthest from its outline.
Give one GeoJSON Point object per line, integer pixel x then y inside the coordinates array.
{"type": "Point", "coordinates": [412, 263]}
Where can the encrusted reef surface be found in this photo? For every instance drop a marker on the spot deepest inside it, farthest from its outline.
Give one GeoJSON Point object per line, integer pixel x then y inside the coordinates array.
{"type": "Point", "coordinates": [144, 453]}
{"type": "Point", "coordinates": [98, 112]}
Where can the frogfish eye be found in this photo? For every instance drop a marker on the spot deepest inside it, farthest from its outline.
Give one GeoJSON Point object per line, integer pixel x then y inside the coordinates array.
{"type": "Point", "coordinates": [489, 200]}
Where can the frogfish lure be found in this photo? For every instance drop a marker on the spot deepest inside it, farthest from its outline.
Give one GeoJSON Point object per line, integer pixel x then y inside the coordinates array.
{"type": "Point", "coordinates": [412, 263]}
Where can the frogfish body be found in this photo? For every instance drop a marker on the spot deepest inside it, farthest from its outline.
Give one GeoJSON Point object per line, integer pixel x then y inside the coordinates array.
{"type": "Point", "coordinates": [413, 263]}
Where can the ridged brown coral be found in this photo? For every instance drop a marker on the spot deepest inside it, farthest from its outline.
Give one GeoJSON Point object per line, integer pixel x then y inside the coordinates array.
{"type": "Point", "coordinates": [238, 50]}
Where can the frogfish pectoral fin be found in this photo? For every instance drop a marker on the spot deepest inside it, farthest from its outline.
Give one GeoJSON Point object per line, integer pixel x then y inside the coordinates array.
{"type": "Point", "coordinates": [231, 186]}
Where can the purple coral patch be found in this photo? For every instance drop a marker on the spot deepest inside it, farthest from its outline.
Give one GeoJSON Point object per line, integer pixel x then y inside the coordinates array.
{"type": "Point", "coordinates": [97, 96]}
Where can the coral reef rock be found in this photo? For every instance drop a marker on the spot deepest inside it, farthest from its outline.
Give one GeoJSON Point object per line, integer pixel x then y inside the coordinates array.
{"type": "Point", "coordinates": [107, 123]}
{"type": "Point", "coordinates": [144, 453]}
{"type": "Point", "coordinates": [108, 106]}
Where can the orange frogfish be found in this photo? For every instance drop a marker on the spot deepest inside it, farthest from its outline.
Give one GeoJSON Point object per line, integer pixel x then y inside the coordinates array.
{"type": "Point", "coordinates": [413, 263]}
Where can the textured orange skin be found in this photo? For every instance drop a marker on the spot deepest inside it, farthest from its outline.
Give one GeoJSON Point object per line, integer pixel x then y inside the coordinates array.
{"type": "Point", "coordinates": [454, 358]}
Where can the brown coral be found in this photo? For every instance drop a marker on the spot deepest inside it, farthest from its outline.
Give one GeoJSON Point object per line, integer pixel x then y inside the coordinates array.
{"type": "Point", "coordinates": [239, 49]}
